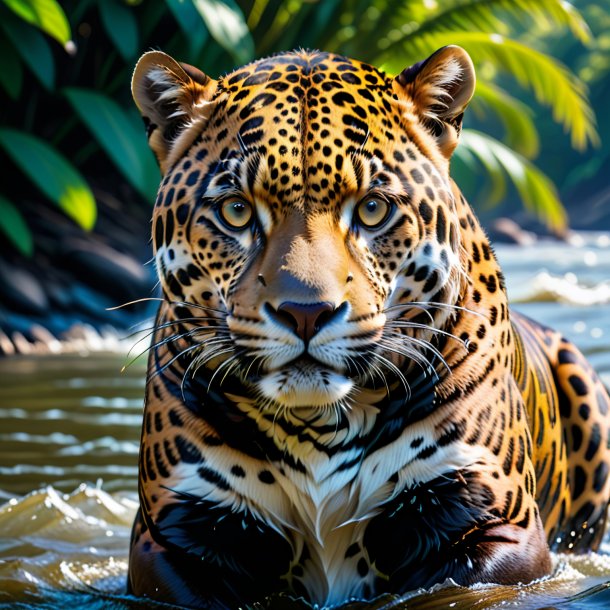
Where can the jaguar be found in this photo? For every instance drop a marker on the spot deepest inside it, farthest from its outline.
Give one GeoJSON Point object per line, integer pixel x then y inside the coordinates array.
{"type": "Point", "coordinates": [340, 402]}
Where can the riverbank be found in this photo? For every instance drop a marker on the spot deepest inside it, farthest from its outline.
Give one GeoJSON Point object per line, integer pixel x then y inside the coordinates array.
{"type": "Point", "coordinates": [62, 298]}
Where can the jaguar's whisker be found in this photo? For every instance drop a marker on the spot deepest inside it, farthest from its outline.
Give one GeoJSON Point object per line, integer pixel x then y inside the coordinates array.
{"type": "Point", "coordinates": [390, 365]}
{"type": "Point", "coordinates": [165, 341]}
{"type": "Point", "coordinates": [406, 324]}
{"type": "Point", "coordinates": [174, 358]}
{"type": "Point", "coordinates": [413, 355]}
{"type": "Point", "coordinates": [198, 306]}
{"type": "Point", "coordinates": [234, 365]}
{"type": "Point", "coordinates": [218, 345]}
{"type": "Point", "coordinates": [169, 302]}
{"type": "Point", "coordinates": [359, 369]}
{"type": "Point", "coordinates": [215, 354]}
{"type": "Point", "coordinates": [427, 346]}
{"type": "Point", "coordinates": [255, 358]}
{"type": "Point", "coordinates": [149, 330]}
{"type": "Point", "coordinates": [423, 343]}
{"type": "Point", "coordinates": [380, 374]}
{"type": "Point", "coordinates": [219, 368]}
{"type": "Point", "coordinates": [170, 338]}
{"type": "Point", "coordinates": [193, 363]}
{"type": "Point", "coordinates": [407, 352]}
{"type": "Point", "coordinates": [433, 304]}
{"type": "Point", "coordinates": [135, 302]}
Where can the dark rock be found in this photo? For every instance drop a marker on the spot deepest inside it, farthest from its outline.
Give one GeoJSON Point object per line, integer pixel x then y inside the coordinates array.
{"type": "Point", "coordinates": [59, 295]}
{"type": "Point", "coordinates": [21, 290]}
{"type": "Point", "coordinates": [91, 303]}
{"type": "Point", "coordinates": [75, 276]}
{"type": "Point", "coordinates": [507, 231]}
{"type": "Point", "coordinates": [6, 345]}
{"type": "Point", "coordinates": [59, 323]}
{"type": "Point", "coordinates": [11, 321]}
{"type": "Point", "coordinates": [118, 276]}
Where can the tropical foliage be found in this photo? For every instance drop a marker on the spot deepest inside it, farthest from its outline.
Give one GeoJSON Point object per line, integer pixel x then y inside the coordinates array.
{"type": "Point", "coordinates": [583, 176]}
{"type": "Point", "coordinates": [73, 117]}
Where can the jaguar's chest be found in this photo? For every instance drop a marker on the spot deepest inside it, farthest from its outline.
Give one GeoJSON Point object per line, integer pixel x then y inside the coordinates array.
{"type": "Point", "coordinates": [313, 514]}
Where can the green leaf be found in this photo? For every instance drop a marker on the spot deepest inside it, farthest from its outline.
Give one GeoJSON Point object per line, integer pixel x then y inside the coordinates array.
{"type": "Point", "coordinates": [46, 15]}
{"type": "Point", "coordinates": [121, 27]}
{"type": "Point", "coordinates": [535, 189]}
{"type": "Point", "coordinates": [149, 20]}
{"type": "Point", "coordinates": [13, 225]}
{"type": "Point", "coordinates": [33, 48]}
{"type": "Point", "coordinates": [519, 129]}
{"type": "Point", "coordinates": [117, 134]}
{"type": "Point", "coordinates": [52, 174]}
{"type": "Point", "coordinates": [551, 82]}
{"type": "Point", "coordinates": [11, 70]}
{"type": "Point", "coordinates": [495, 189]}
{"type": "Point", "coordinates": [492, 16]}
{"type": "Point", "coordinates": [228, 28]}
{"type": "Point", "coordinates": [190, 23]}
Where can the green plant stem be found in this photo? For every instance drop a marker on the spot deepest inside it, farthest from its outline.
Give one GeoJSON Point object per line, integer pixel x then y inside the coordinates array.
{"type": "Point", "coordinates": [85, 153]}
{"type": "Point", "coordinates": [105, 70]}
{"type": "Point", "coordinates": [64, 129]}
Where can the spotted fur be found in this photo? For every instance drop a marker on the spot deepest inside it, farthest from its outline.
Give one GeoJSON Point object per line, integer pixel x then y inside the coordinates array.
{"type": "Point", "coordinates": [339, 401]}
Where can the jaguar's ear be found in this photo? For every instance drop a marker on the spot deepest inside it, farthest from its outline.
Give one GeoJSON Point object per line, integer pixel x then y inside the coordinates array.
{"type": "Point", "coordinates": [441, 87]}
{"type": "Point", "coordinates": [170, 97]}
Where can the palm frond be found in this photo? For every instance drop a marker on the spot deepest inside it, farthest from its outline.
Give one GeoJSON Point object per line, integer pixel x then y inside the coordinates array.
{"type": "Point", "coordinates": [520, 131]}
{"type": "Point", "coordinates": [535, 189]}
{"type": "Point", "coordinates": [550, 81]}
{"type": "Point", "coordinates": [491, 16]}
{"type": "Point", "coordinates": [495, 186]}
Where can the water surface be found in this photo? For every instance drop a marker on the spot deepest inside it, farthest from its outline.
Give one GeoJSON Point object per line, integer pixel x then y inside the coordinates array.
{"type": "Point", "coordinates": [69, 436]}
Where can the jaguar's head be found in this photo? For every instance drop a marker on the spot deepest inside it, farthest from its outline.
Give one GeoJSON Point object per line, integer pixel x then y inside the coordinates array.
{"type": "Point", "coordinates": [306, 215]}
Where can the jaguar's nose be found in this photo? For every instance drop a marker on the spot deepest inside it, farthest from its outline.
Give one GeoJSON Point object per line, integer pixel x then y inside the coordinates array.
{"type": "Point", "coordinates": [306, 319]}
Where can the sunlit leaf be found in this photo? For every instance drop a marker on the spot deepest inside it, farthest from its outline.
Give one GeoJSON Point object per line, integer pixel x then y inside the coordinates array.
{"type": "Point", "coordinates": [33, 48]}
{"type": "Point", "coordinates": [519, 128]}
{"type": "Point", "coordinates": [46, 15]}
{"type": "Point", "coordinates": [190, 23]}
{"type": "Point", "coordinates": [11, 71]}
{"type": "Point", "coordinates": [256, 12]}
{"type": "Point", "coordinates": [121, 27]}
{"type": "Point", "coordinates": [115, 132]}
{"type": "Point", "coordinates": [491, 16]}
{"type": "Point", "coordinates": [495, 179]}
{"type": "Point", "coordinates": [14, 227]}
{"type": "Point", "coordinates": [57, 178]}
{"type": "Point", "coordinates": [227, 25]}
{"type": "Point", "coordinates": [550, 81]}
{"type": "Point", "coordinates": [535, 189]}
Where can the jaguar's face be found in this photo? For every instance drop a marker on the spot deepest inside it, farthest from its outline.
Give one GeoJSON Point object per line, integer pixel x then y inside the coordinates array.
{"type": "Point", "coordinates": [306, 203]}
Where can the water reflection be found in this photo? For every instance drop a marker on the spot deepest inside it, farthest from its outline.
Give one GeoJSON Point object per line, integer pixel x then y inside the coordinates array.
{"type": "Point", "coordinates": [66, 419]}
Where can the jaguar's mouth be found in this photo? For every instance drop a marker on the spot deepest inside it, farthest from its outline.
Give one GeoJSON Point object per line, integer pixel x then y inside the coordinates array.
{"type": "Point", "coordinates": [305, 382]}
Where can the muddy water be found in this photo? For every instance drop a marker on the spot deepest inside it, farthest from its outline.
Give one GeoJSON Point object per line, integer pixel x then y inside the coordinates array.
{"type": "Point", "coordinates": [69, 430]}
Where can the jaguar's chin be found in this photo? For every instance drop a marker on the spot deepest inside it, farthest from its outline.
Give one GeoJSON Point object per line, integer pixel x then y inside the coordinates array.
{"type": "Point", "coordinates": [305, 384]}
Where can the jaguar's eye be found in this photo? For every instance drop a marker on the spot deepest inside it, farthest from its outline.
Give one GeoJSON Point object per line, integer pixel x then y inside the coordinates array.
{"type": "Point", "coordinates": [236, 213]}
{"type": "Point", "coordinates": [372, 213]}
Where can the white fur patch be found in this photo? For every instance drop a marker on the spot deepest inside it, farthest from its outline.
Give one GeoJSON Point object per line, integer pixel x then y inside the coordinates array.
{"type": "Point", "coordinates": [449, 275]}
{"type": "Point", "coordinates": [305, 386]}
{"type": "Point", "coordinates": [326, 509]}
{"type": "Point", "coordinates": [179, 261]}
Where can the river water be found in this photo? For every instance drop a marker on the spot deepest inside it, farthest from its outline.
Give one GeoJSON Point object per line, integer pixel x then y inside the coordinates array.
{"type": "Point", "coordinates": [69, 432]}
